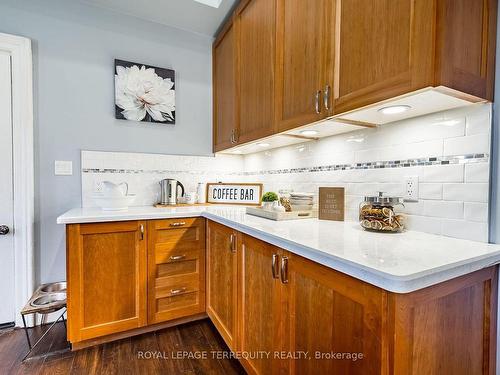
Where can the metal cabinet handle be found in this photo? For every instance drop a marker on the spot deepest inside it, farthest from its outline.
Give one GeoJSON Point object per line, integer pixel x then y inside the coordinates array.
{"type": "Point", "coordinates": [326, 98]}
{"type": "Point", "coordinates": [142, 231]}
{"type": "Point", "coordinates": [236, 136]}
{"type": "Point", "coordinates": [4, 229]}
{"type": "Point", "coordinates": [177, 257]}
{"type": "Point", "coordinates": [232, 137]}
{"type": "Point", "coordinates": [284, 270]}
{"type": "Point", "coordinates": [316, 102]}
{"type": "Point", "coordinates": [177, 291]}
{"type": "Point", "coordinates": [275, 266]}
{"type": "Point", "coordinates": [178, 224]}
{"type": "Point", "coordinates": [233, 243]}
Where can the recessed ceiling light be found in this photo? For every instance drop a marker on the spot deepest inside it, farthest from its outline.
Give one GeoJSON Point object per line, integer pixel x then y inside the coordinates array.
{"type": "Point", "coordinates": [210, 3]}
{"type": "Point", "coordinates": [263, 144]}
{"type": "Point", "coordinates": [309, 133]}
{"type": "Point", "coordinates": [394, 109]}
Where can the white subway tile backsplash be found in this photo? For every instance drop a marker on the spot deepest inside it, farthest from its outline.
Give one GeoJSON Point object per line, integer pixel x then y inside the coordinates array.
{"type": "Point", "coordinates": [471, 144]}
{"type": "Point", "coordinates": [443, 173]}
{"type": "Point", "coordinates": [467, 230]}
{"type": "Point", "coordinates": [413, 208]}
{"type": "Point", "coordinates": [476, 211]}
{"type": "Point", "coordinates": [477, 172]}
{"type": "Point", "coordinates": [424, 224]}
{"type": "Point", "coordinates": [430, 191]}
{"type": "Point", "coordinates": [450, 210]}
{"type": "Point", "coordinates": [453, 191]}
{"type": "Point", "coordinates": [478, 121]}
{"type": "Point", "coordinates": [470, 192]}
{"type": "Point", "coordinates": [411, 150]}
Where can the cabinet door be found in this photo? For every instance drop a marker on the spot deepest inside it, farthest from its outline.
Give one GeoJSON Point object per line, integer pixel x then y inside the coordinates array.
{"type": "Point", "coordinates": [255, 26]}
{"type": "Point", "coordinates": [176, 268]}
{"type": "Point", "coordinates": [224, 88]}
{"type": "Point", "coordinates": [222, 280]}
{"type": "Point", "coordinates": [383, 48]}
{"type": "Point", "coordinates": [303, 92]}
{"type": "Point", "coordinates": [106, 265]}
{"type": "Point", "coordinates": [465, 45]}
{"type": "Point", "coordinates": [260, 309]}
{"type": "Point", "coordinates": [328, 312]}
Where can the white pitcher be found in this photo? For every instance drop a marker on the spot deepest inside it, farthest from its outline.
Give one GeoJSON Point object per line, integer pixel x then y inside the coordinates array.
{"type": "Point", "coordinates": [112, 190]}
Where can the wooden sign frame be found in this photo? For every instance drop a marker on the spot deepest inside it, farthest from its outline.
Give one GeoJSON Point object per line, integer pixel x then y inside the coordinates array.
{"type": "Point", "coordinates": [259, 186]}
{"type": "Point", "coordinates": [331, 205]}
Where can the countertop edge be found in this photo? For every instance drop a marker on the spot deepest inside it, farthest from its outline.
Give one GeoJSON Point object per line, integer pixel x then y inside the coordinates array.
{"type": "Point", "coordinates": [389, 282]}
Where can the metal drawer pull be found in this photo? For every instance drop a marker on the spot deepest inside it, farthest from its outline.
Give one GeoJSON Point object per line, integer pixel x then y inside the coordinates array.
{"type": "Point", "coordinates": [233, 243]}
{"type": "Point", "coordinates": [275, 266]}
{"type": "Point", "coordinates": [284, 270]}
{"type": "Point", "coordinates": [142, 231]}
{"type": "Point", "coordinates": [178, 224]}
{"type": "Point", "coordinates": [177, 291]}
{"type": "Point", "coordinates": [316, 102]}
{"type": "Point", "coordinates": [177, 257]}
{"type": "Point", "coordinates": [326, 98]}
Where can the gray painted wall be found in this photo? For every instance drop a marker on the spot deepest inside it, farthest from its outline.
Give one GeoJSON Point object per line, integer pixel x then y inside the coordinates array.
{"type": "Point", "coordinates": [74, 46]}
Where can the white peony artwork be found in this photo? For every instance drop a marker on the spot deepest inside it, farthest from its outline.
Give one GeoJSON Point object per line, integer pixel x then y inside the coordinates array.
{"type": "Point", "coordinates": [144, 93]}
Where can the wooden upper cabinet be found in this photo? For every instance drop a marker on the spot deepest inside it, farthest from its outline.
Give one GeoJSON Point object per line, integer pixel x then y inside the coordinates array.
{"type": "Point", "coordinates": [386, 48]}
{"type": "Point", "coordinates": [176, 268]}
{"type": "Point", "coordinates": [256, 50]}
{"type": "Point", "coordinates": [382, 48]}
{"type": "Point", "coordinates": [222, 295]}
{"type": "Point", "coordinates": [303, 82]}
{"type": "Point", "coordinates": [224, 88]}
{"type": "Point", "coordinates": [326, 310]}
{"type": "Point", "coordinates": [106, 272]}
{"type": "Point", "coordinates": [465, 45]}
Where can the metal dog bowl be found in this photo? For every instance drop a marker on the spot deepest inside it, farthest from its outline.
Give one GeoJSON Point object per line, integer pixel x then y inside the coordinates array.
{"type": "Point", "coordinates": [48, 299]}
{"type": "Point", "coordinates": [54, 287]}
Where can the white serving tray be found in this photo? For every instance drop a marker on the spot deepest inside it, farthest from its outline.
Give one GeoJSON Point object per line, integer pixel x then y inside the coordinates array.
{"type": "Point", "coordinates": [278, 216]}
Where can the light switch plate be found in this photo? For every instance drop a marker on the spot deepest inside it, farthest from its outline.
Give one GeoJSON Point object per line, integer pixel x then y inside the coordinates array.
{"type": "Point", "coordinates": [63, 168]}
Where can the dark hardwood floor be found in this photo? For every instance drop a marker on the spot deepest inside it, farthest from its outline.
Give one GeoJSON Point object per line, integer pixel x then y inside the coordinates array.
{"type": "Point", "coordinates": [144, 354]}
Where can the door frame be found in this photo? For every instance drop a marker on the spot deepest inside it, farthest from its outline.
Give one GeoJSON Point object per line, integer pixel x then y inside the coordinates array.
{"type": "Point", "coordinates": [19, 49]}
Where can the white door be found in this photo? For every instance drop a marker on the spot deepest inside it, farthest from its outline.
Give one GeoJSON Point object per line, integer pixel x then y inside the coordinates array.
{"type": "Point", "coordinates": [7, 310]}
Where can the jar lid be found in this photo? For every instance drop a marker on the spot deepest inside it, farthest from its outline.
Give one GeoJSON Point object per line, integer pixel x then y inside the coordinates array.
{"type": "Point", "coordinates": [380, 199]}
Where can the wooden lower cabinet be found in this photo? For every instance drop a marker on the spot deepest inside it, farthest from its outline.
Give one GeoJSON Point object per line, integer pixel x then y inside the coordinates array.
{"type": "Point", "coordinates": [125, 278]}
{"type": "Point", "coordinates": [282, 313]}
{"type": "Point", "coordinates": [325, 311]}
{"type": "Point", "coordinates": [260, 314]}
{"type": "Point", "coordinates": [176, 268]}
{"type": "Point", "coordinates": [222, 293]}
{"type": "Point", "coordinates": [295, 316]}
{"type": "Point", "coordinates": [106, 275]}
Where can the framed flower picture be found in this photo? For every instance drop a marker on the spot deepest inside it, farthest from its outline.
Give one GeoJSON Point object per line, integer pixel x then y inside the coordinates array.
{"type": "Point", "coordinates": [144, 93]}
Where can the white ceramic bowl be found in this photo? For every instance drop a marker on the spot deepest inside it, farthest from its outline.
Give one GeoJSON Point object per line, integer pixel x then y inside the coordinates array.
{"type": "Point", "coordinates": [113, 203]}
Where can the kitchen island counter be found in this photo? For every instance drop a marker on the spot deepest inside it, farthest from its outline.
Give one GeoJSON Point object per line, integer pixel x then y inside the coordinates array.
{"type": "Point", "coordinates": [397, 262]}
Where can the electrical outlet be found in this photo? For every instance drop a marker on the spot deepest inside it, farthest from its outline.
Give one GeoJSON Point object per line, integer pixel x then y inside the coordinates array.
{"type": "Point", "coordinates": [411, 192]}
{"type": "Point", "coordinates": [97, 186]}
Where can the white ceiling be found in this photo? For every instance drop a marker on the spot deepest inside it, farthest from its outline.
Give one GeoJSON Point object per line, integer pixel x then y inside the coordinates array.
{"type": "Point", "coordinates": [183, 14]}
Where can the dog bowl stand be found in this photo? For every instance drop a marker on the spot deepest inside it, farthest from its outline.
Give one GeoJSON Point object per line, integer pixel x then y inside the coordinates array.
{"type": "Point", "coordinates": [45, 309]}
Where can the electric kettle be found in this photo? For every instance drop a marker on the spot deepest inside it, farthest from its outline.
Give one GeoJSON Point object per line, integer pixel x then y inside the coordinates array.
{"type": "Point", "coordinates": [169, 189]}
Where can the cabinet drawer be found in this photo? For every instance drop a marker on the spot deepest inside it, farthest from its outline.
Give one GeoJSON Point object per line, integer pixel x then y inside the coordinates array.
{"type": "Point", "coordinates": [176, 268]}
{"type": "Point", "coordinates": [177, 223]}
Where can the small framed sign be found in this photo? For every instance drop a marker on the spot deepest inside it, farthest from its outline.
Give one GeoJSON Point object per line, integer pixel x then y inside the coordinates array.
{"type": "Point", "coordinates": [331, 203]}
{"type": "Point", "coordinates": [234, 193]}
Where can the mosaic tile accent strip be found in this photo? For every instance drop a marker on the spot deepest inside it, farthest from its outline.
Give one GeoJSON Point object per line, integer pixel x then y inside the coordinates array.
{"type": "Point", "coordinates": [443, 160]}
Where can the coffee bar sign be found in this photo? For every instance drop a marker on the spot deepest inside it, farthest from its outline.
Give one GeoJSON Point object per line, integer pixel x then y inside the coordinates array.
{"type": "Point", "coordinates": [234, 193]}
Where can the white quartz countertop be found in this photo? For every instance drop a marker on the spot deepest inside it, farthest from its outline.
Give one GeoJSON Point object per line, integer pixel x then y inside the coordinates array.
{"type": "Point", "coordinates": [397, 262]}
